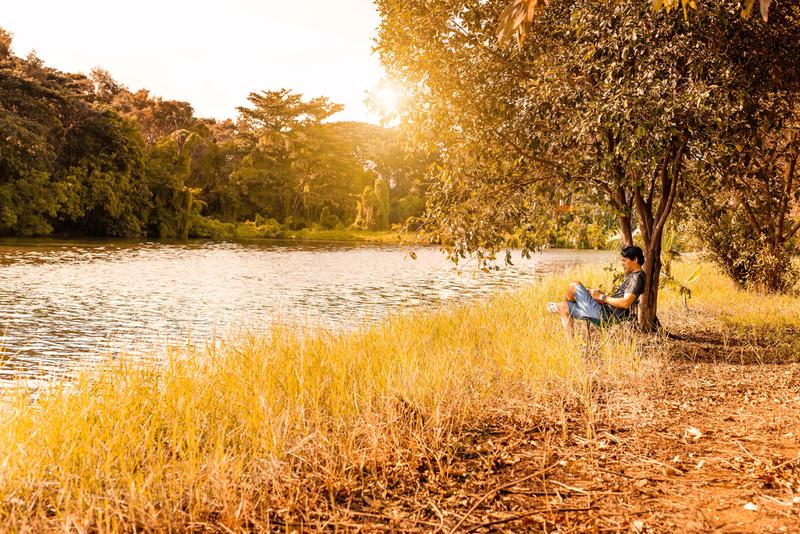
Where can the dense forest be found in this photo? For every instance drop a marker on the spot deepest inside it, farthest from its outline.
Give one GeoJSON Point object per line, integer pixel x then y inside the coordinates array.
{"type": "Point", "coordinates": [84, 155]}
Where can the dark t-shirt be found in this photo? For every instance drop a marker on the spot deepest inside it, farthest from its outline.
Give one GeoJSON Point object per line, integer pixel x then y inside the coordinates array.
{"type": "Point", "coordinates": [633, 283]}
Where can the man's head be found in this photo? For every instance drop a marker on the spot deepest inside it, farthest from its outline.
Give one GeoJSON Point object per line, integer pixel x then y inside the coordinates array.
{"type": "Point", "coordinates": [632, 259]}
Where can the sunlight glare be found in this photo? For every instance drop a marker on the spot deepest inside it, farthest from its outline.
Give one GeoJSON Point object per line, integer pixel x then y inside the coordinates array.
{"type": "Point", "coordinates": [389, 97]}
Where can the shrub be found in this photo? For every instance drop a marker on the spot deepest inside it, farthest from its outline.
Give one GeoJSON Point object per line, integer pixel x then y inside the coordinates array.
{"type": "Point", "coordinates": [293, 222]}
{"type": "Point", "coordinates": [327, 220]}
{"type": "Point", "coordinates": [204, 227]}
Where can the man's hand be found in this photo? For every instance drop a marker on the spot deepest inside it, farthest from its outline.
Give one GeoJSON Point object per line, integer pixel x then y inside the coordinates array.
{"type": "Point", "coordinates": [597, 295]}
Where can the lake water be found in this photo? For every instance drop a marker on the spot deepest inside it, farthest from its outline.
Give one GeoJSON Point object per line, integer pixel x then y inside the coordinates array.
{"type": "Point", "coordinates": [63, 304]}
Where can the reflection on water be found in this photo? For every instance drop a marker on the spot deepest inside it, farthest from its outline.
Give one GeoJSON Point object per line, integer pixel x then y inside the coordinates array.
{"type": "Point", "coordinates": [63, 304]}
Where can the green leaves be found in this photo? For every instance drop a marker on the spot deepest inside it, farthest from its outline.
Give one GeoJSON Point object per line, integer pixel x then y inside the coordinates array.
{"type": "Point", "coordinates": [65, 163]}
{"type": "Point", "coordinates": [517, 16]}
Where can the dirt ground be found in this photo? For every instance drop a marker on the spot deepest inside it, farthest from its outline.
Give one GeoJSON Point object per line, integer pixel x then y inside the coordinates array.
{"type": "Point", "coordinates": [713, 446]}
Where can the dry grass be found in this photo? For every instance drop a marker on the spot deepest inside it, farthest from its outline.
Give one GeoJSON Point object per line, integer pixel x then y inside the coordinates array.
{"type": "Point", "coordinates": [762, 326]}
{"type": "Point", "coordinates": [716, 296]}
{"type": "Point", "coordinates": [272, 428]}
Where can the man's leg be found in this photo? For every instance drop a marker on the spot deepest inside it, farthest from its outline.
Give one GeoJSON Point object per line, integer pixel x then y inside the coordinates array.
{"type": "Point", "coordinates": [563, 308]}
{"type": "Point", "coordinates": [566, 319]}
{"type": "Point", "coordinates": [570, 293]}
{"type": "Point", "coordinates": [579, 304]}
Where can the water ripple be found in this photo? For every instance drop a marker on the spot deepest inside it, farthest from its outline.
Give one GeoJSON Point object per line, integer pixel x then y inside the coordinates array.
{"type": "Point", "coordinates": [63, 304]}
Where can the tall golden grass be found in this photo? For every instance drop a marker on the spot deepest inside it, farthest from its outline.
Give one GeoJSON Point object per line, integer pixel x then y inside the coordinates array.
{"type": "Point", "coordinates": [271, 423]}
{"type": "Point", "coordinates": [724, 304]}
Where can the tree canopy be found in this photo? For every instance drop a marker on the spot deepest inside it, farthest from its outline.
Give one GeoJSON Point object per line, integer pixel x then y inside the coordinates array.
{"type": "Point", "coordinates": [607, 103]}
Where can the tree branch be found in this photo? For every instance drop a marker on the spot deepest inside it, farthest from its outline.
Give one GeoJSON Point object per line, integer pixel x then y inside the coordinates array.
{"type": "Point", "coordinates": [788, 177]}
{"type": "Point", "coordinates": [660, 170]}
{"type": "Point", "coordinates": [519, 150]}
{"type": "Point", "coordinates": [751, 216]}
{"type": "Point", "coordinates": [491, 51]}
{"type": "Point", "coordinates": [665, 206]}
{"type": "Point", "coordinates": [645, 217]}
{"type": "Point", "coordinates": [793, 231]}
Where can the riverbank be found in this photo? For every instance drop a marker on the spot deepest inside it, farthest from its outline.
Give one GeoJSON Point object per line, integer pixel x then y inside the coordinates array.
{"type": "Point", "coordinates": [360, 236]}
{"type": "Point", "coordinates": [271, 229]}
{"type": "Point", "coordinates": [426, 421]}
{"type": "Point", "coordinates": [218, 231]}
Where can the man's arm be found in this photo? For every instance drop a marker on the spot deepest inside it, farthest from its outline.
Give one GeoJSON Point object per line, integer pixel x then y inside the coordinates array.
{"type": "Point", "coordinates": [623, 302]}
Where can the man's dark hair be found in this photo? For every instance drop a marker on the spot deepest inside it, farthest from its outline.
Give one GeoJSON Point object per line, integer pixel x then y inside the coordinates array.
{"type": "Point", "coordinates": [633, 253]}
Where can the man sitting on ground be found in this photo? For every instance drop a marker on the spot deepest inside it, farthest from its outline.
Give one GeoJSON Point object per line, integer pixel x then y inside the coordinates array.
{"type": "Point", "coordinates": [596, 306]}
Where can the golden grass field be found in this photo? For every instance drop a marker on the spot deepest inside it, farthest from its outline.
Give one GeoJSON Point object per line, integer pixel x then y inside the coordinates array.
{"type": "Point", "coordinates": [267, 424]}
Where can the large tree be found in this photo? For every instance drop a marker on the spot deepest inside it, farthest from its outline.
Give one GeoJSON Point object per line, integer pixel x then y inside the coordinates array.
{"type": "Point", "coordinates": [607, 101]}
{"type": "Point", "coordinates": [282, 134]}
{"type": "Point", "coordinates": [67, 163]}
{"type": "Point", "coordinates": [747, 210]}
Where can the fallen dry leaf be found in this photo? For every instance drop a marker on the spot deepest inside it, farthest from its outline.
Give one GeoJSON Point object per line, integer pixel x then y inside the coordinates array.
{"type": "Point", "coordinates": [700, 464]}
{"type": "Point", "coordinates": [693, 433]}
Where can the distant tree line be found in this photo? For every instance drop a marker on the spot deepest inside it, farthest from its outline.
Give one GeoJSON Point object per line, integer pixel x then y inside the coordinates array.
{"type": "Point", "coordinates": [84, 155]}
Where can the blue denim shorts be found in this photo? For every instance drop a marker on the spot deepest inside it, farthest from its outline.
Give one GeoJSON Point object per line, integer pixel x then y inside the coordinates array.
{"type": "Point", "coordinates": [585, 307]}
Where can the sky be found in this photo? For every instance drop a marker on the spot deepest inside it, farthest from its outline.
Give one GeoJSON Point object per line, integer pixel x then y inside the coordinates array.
{"type": "Point", "coordinates": [212, 54]}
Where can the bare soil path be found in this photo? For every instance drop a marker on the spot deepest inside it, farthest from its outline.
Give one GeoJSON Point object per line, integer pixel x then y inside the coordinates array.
{"type": "Point", "coordinates": [717, 451]}
{"type": "Point", "coordinates": [713, 447]}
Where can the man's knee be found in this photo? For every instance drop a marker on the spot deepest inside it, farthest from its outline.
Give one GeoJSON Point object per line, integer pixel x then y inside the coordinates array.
{"type": "Point", "coordinates": [571, 288]}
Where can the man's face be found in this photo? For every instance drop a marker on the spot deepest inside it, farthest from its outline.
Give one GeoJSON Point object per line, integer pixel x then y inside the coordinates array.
{"type": "Point", "coordinates": [628, 266]}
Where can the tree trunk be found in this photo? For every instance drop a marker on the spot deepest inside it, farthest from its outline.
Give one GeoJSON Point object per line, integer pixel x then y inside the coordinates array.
{"type": "Point", "coordinates": [185, 214]}
{"type": "Point", "coordinates": [648, 303]}
{"type": "Point", "coordinates": [625, 230]}
{"type": "Point", "coordinates": [620, 200]}
{"type": "Point", "coordinates": [666, 178]}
